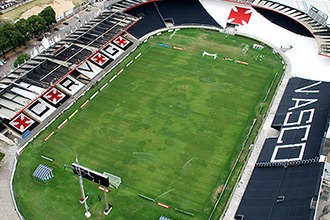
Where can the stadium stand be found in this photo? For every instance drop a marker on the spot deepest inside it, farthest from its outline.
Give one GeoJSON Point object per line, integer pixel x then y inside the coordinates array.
{"type": "Point", "coordinates": [320, 32]}
{"type": "Point", "coordinates": [160, 14]}
{"type": "Point", "coordinates": [290, 166]}
{"type": "Point", "coordinates": [75, 57]}
{"type": "Point", "coordinates": [124, 5]}
{"type": "Point", "coordinates": [281, 193]}
{"type": "Point", "coordinates": [72, 53]}
{"type": "Point", "coordinates": [184, 12]}
{"type": "Point", "coordinates": [286, 180]}
{"type": "Point", "coordinates": [150, 19]}
{"type": "Point", "coordinates": [285, 22]}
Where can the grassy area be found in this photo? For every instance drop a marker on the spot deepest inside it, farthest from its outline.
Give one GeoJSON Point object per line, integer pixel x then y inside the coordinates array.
{"type": "Point", "coordinates": [77, 2]}
{"type": "Point", "coordinates": [16, 13]}
{"type": "Point", "coordinates": [171, 126]}
{"type": "Point", "coordinates": [2, 155]}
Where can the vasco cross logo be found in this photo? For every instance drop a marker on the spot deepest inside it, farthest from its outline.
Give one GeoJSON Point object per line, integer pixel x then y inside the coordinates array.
{"type": "Point", "coordinates": [240, 15]}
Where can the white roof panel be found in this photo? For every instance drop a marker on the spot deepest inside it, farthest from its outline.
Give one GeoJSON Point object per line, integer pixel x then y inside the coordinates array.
{"type": "Point", "coordinates": [24, 93]}
{"type": "Point", "coordinates": [6, 113]}
{"type": "Point", "coordinates": [11, 105]}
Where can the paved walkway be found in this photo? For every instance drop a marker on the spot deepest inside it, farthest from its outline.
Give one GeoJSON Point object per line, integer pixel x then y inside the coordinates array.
{"type": "Point", "coordinates": [7, 207]}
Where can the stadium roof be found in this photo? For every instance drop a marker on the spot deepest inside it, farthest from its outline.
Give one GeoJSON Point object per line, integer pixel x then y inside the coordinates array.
{"type": "Point", "coordinates": [322, 5]}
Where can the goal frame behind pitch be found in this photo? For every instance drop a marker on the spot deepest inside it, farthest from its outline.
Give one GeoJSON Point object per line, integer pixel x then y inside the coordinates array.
{"type": "Point", "coordinates": [114, 180]}
{"type": "Point", "coordinates": [214, 55]}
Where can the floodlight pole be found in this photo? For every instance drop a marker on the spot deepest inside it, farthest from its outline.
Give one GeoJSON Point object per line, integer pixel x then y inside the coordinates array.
{"type": "Point", "coordinates": [108, 207]}
{"type": "Point", "coordinates": [84, 201]}
{"type": "Point", "coordinates": [106, 200]}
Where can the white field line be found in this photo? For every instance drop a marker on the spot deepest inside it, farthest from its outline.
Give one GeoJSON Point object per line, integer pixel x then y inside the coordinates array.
{"type": "Point", "coordinates": [144, 153]}
{"type": "Point", "coordinates": [168, 191]}
{"type": "Point", "coordinates": [186, 165]}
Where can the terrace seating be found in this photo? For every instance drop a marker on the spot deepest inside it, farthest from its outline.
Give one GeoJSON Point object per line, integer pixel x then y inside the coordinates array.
{"type": "Point", "coordinates": [102, 32]}
{"type": "Point", "coordinates": [150, 19]}
{"type": "Point", "coordinates": [184, 12]}
{"type": "Point", "coordinates": [290, 165]}
{"type": "Point", "coordinates": [286, 164]}
{"type": "Point", "coordinates": [52, 64]}
{"type": "Point", "coordinates": [281, 193]}
{"type": "Point", "coordinates": [154, 15]}
{"type": "Point", "coordinates": [124, 5]}
{"type": "Point", "coordinates": [41, 70]}
{"type": "Point", "coordinates": [46, 73]}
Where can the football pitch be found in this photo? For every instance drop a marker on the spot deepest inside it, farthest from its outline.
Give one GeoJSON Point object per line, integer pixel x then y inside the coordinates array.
{"type": "Point", "coordinates": [170, 125]}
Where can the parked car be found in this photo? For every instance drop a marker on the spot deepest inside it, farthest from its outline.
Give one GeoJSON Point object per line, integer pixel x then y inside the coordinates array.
{"type": "Point", "coordinates": [56, 29]}
{"type": "Point", "coordinates": [66, 23]}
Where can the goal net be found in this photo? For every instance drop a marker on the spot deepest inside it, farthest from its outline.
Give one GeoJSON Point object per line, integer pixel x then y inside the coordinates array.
{"type": "Point", "coordinates": [245, 49]}
{"type": "Point", "coordinates": [214, 55]}
{"type": "Point", "coordinates": [115, 181]}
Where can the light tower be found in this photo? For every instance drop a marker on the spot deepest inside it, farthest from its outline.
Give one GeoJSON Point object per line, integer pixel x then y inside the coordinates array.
{"type": "Point", "coordinates": [84, 198]}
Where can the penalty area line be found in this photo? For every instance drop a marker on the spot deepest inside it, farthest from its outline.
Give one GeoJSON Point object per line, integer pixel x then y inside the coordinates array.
{"type": "Point", "coordinates": [168, 191]}
{"type": "Point", "coordinates": [186, 165]}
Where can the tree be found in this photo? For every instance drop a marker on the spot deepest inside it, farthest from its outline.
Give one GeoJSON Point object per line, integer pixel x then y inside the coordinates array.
{"type": "Point", "coordinates": [20, 59]}
{"type": "Point", "coordinates": [24, 28]}
{"type": "Point", "coordinates": [37, 24]}
{"type": "Point", "coordinates": [4, 42]}
{"type": "Point", "coordinates": [2, 155]}
{"type": "Point", "coordinates": [13, 35]}
{"type": "Point", "coordinates": [48, 14]}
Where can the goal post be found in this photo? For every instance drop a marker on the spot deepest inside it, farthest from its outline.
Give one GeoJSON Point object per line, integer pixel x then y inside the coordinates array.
{"type": "Point", "coordinates": [214, 55]}
{"type": "Point", "coordinates": [114, 180]}
{"type": "Point", "coordinates": [245, 49]}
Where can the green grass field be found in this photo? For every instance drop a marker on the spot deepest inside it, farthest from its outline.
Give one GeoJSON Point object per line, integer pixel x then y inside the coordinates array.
{"type": "Point", "coordinates": [171, 126]}
{"type": "Point", "coordinates": [2, 155]}
{"type": "Point", "coordinates": [16, 13]}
